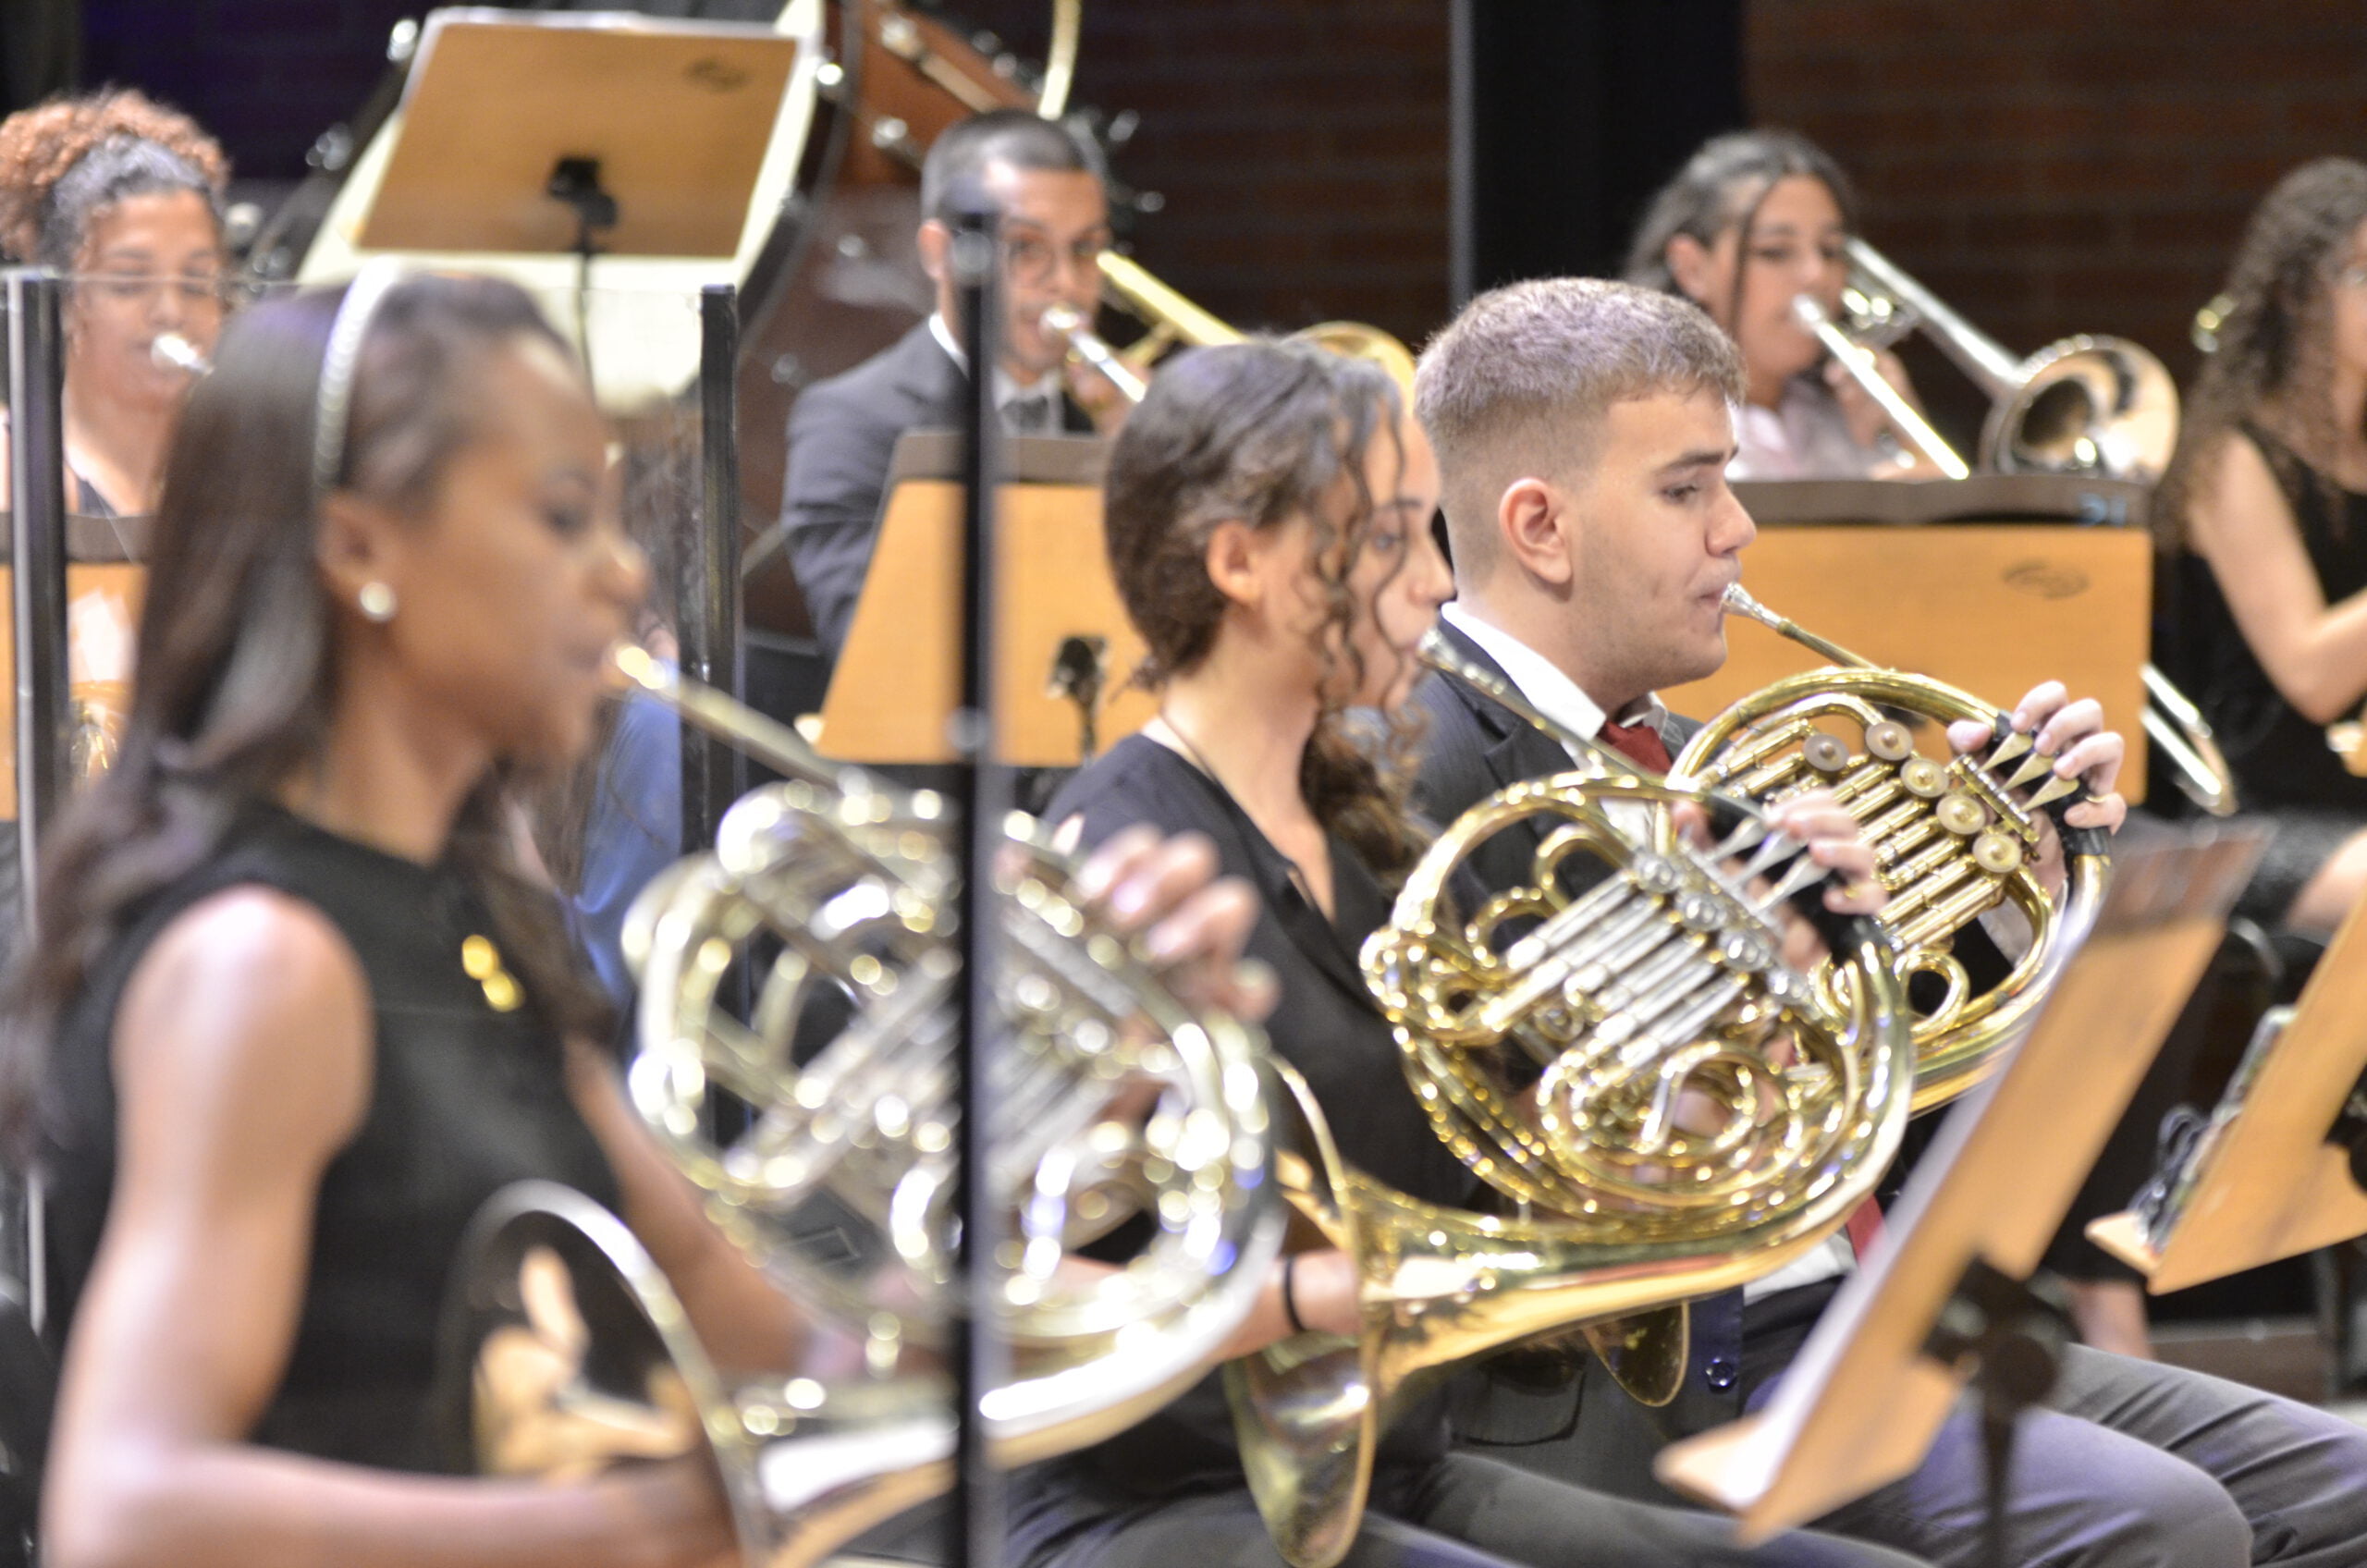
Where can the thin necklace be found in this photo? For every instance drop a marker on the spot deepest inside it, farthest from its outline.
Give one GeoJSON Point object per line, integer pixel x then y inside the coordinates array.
{"type": "Point", "coordinates": [1299, 878]}
{"type": "Point", "coordinates": [1199, 759]}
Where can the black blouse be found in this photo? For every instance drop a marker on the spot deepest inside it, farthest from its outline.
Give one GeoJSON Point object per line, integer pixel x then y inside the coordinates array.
{"type": "Point", "coordinates": [1326, 1025]}
{"type": "Point", "coordinates": [2280, 758]}
{"type": "Point", "coordinates": [464, 1099]}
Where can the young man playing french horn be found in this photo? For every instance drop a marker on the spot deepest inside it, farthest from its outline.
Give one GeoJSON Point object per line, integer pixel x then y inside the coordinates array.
{"type": "Point", "coordinates": [1583, 431]}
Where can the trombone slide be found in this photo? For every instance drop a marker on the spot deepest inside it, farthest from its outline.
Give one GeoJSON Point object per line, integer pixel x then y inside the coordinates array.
{"type": "Point", "coordinates": [1859, 363]}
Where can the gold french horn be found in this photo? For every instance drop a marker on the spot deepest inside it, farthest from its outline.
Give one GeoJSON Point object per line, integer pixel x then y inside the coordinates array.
{"type": "Point", "coordinates": [1952, 838]}
{"type": "Point", "coordinates": [828, 897]}
{"type": "Point", "coordinates": [1662, 981]}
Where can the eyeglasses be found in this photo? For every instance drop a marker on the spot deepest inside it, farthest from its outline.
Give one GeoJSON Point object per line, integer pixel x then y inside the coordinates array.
{"type": "Point", "coordinates": [2352, 276]}
{"type": "Point", "coordinates": [1032, 260]}
{"type": "Point", "coordinates": [196, 291]}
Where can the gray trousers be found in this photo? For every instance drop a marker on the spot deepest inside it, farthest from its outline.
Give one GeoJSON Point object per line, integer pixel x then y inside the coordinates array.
{"type": "Point", "coordinates": [1464, 1511]}
{"type": "Point", "coordinates": [2133, 1465]}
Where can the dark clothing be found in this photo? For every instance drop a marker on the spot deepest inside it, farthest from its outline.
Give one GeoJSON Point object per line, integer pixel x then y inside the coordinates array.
{"type": "Point", "coordinates": [2130, 1462]}
{"type": "Point", "coordinates": [2280, 758]}
{"type": "Point", "coordinates": [463, 1101]}
{"type": "Point", "coordinates": [1324, 1023]}
{"type": "Point", "coordinates": [1473, 747]}
{"type": "Point", "coordinates": [2283, 766]}
{"type": "Point", "coordinates": [842, 434]}
{"type": "Point", "coordinates": [1464, 1512]}
{"type": "Point", "coordinates": [1170, 1490]}
{"type": "Point", "coordinates": [2132, 1465]}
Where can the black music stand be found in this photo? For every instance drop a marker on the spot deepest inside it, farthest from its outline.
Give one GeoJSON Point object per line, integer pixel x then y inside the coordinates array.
{"type": "Point", "coordinates": [1940, 1303]}
{"type": "Point", "coordinates": [2278, 1168]}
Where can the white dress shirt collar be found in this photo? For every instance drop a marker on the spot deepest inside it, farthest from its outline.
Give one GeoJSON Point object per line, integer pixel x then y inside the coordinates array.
{"type": "Point", "coordinates": [1006, 385]}
{"type": "Point", "coordinates": [1537, 677]}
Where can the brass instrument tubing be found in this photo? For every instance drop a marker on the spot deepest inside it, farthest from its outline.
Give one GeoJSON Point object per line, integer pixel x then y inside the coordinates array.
{"type": "Point", "coordinates": [1670, 1032]}
{"type": "Point", "coordinates": [1869, 774]}
{"type": "Point", "coordinates": [1763, 782]}
{"type": "Point", "coordinates": [1588, 909]}
{"type": "Point", "coordinates": [1941, 919]}
{"type": "Point", "coordinates": [1501, 1013]}
{"type": "Point", "coordinates": [1930, 856]}
{"type": "Point", "coordinates": [1644, 979]}
{"type": "Point", "coordinates": [1859, 363]}
{"type": "Point", "coordinates": [1992, 794]}
{"type": "Point", "coordinates": [1904, 905]}
{"type": "Point", "coordinates": [1904, 842]}
{"type": "Point", "coordinates": [767, 741]}
{"type": "Point", "coordinates": [1903, 815]}
{"type": "Point", "coordinates": [1146, 296]}
{"type": "Point", "coordinates": [1739, 602]}
{"type": "Point", "coordinates": [1060, 58]}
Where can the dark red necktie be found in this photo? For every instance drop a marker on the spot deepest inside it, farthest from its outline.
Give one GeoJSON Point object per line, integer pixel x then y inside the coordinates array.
{"type": "Point", "coordinates": [1639, 743]}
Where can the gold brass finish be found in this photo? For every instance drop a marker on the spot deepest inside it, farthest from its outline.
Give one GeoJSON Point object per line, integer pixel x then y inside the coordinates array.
{"type": "Point", "coordinates": [2089, 404]}
{"type": "Point", "coordinates": [1704, 1115]}
{"type": "Point", "coordinates": [831, 895]}
{"type": "Point", "coordinates": [1174, 320]}
{"type": "Point", "coordinates": [2085, 404]}
{"type": "Point", "coordinates": [1951, 840]}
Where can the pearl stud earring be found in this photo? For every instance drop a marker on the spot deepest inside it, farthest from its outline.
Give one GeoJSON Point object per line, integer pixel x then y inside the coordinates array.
{"type": "Point", "coordinates": [376, 602]}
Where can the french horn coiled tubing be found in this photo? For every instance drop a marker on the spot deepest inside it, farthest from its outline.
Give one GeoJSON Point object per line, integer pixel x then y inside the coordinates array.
{"type": "Point", "coordinates": [797, 982]}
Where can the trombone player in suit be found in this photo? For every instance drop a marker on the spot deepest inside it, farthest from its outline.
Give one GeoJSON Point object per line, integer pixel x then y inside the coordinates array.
{"type": "Point", "coordinates": [1584, 430]}
{"type": "Point", "coordinates": [1048, 186]}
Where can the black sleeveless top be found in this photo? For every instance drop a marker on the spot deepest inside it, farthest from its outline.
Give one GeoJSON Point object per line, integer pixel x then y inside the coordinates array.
{"type": "Point", "coordinates": [2280, 758]}
{"type": "Point", "coordinates": [464, 1099]}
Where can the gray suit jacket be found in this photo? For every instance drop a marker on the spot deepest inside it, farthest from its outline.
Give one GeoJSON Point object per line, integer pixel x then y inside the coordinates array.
{"type": "Point", "coordinates": [842, 434]}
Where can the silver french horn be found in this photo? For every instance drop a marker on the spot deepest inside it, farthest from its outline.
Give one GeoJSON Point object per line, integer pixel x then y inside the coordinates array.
{"type": "Point", "coordinates": [827, 902]}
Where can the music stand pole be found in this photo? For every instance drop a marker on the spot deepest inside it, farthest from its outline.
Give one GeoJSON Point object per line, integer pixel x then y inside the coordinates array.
{"type": "Point", "coordinates": [707, 563]}
{"type": "Point", "coordinates": [44, 704]}
{"type": "Point", "coordinates": [2013, 1333]}
{"type": "Point", "coordinates": [980, 790]}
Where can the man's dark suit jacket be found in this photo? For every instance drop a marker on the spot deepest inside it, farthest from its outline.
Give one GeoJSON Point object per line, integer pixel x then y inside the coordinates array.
{"type": "Point", "coordinates": [1475, 746]}
{"type": "Point", "coordinates": [842, 434]}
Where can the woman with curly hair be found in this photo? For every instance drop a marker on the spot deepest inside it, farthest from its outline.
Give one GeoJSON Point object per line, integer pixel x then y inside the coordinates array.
{"type": "Point", "coordinates": [2265, 507]}
{"type": "Point", "coordinates": [124, 197]}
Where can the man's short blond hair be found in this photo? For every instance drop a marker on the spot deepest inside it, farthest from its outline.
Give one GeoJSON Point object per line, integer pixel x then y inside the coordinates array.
{"type": "Point", "coordinates": [1518, 384]}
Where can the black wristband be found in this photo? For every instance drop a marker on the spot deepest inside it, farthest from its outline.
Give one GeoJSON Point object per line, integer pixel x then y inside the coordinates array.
{"type": "Point", "coordinates": [1290, 1301]}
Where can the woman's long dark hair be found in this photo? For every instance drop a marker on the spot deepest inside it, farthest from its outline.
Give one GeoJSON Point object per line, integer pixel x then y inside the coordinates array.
{"type": "Point", "coordinates": [2272, 362]}
{"type": "Point", "coordinates": [237, 673]}
{"type": "Point", "coordinates": [1262, 431]}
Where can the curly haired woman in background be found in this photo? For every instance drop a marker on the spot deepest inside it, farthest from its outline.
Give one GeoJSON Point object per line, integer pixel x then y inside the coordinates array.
{"type": "Point", "coordinates": [2266, 503]}
{"type": "Point", "coordinates": [123, 196]}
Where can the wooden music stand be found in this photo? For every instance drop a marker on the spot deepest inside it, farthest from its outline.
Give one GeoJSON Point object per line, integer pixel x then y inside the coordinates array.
{"type": "Point", "coordinates": [99, 560]}
{"type": "Point", "coordinates": [1992, 584]}
{"type": "Point", "coordinates": [2265, 1181]}
{"type": "Point", "coordinates": [1861, 1404]}
{"type": "Point", "coordinates": [675, 117]}
{"type": "Point", "coordinates": [896, 680]}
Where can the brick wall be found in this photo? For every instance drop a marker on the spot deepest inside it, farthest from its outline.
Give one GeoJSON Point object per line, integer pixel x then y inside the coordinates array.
{"type": "Point", "coordinates": [2050, 167]}
{"type": "Point", "coordinates": [1300, 146]}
